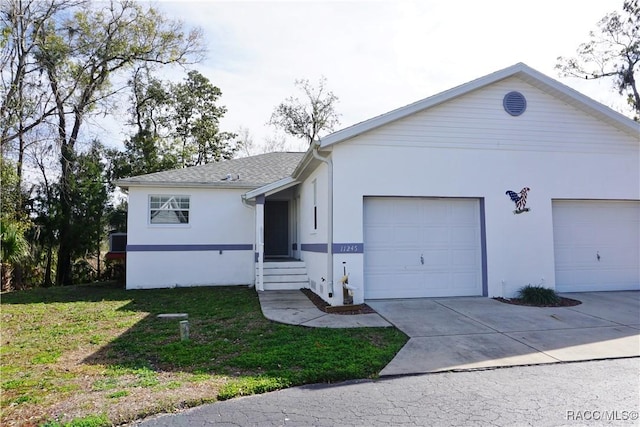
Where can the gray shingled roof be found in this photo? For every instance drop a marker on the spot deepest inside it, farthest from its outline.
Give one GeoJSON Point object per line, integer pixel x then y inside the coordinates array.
{"type": "Point", "coordinates": [253, 172]}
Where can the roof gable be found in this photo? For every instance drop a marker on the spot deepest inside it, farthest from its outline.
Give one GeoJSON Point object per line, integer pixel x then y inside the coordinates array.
{"type": "Point", "coordinates": [477, 120]}
{"type": "Point", "coordinates": [520, 70]}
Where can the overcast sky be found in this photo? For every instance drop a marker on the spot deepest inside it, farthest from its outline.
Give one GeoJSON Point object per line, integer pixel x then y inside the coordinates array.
{"type": "Point", "coordinates": [378, 55]}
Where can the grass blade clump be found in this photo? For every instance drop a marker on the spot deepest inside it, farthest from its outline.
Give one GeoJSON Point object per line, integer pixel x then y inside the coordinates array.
{"type": "Point", "coordinates": [538, 295]}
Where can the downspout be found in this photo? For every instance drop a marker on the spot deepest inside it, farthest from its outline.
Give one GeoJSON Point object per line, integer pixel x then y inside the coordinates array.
{"type": "Point", "coordinates": [329, 163]}
{"type": "Point", "coordinates": [256, 268]}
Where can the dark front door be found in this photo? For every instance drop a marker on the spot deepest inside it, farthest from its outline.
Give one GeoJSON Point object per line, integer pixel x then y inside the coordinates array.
{"type": "Point", "coordinates": [276, 228]}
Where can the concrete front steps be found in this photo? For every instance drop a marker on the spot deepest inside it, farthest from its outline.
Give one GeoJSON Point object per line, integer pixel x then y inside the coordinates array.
{"type": "Point", "coordinates": [285, 275]}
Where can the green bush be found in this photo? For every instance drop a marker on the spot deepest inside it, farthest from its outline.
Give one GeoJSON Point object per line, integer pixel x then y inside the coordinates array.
{"type": "Point", "coordinates": [538, 295]}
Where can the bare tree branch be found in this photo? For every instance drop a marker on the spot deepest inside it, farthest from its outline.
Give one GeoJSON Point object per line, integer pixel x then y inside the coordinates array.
{"type": "Point", "coordinates": [308, 118]}
{"type": "Point", "coordinates": [612, 52]}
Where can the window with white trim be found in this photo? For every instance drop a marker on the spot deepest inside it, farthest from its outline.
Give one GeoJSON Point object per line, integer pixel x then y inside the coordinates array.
{"type": "Point", "coordinates": [169, 209]}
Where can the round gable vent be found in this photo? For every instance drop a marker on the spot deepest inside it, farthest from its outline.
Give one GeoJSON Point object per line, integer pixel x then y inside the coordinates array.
{"type": "Point", "coordinates": [514, 103]}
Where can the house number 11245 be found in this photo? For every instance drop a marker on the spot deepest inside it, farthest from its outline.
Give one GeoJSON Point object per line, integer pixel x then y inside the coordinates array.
{"type": "Point", "coordinates": [348, 249]}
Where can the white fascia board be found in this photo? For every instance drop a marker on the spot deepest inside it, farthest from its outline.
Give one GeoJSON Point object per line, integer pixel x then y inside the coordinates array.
{"type": "Point", "coordinates": [306, 159]}
{"type": "Point", "coordinates": [272, 188]}
{"type": "Point", "coordinates": [309, 162]}
{"type": "Point", "coordinates": [532, 76]}
{"type": "Point", "coordinates": [127, 184]}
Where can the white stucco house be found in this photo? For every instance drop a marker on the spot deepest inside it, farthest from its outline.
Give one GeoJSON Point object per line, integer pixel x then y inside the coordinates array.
{"type": "Point", "coordinates": [412, 203]}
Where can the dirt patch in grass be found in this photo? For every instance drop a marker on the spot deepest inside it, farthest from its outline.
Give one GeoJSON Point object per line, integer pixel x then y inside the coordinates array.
{"type": "Point", "coordinates": [564, 302]}
{"type": "Point", "coordinates": [325, 306]}
{"type": "Point", "coordinates": [124, 401]}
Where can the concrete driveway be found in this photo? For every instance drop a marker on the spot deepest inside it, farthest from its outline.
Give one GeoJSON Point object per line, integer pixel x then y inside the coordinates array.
{"type": "Point", "coordinates": [470, 333]}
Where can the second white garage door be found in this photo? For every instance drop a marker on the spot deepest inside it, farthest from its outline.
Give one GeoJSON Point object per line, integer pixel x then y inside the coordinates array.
{"type": "Point", "coordinates": [419, 247]}
{"type": "Point", "coordinates": [597, 245]}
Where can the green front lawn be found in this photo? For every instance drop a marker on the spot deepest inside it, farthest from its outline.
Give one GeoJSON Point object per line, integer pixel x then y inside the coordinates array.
{"type": "Point", "coordinates": [98, 354]}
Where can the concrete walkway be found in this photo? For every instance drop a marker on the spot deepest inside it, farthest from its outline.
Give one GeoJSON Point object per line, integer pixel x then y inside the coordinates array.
{"type": "Point", "coordinates": [295, 308]}
{"type": "Point", "coordinates": [471, 333]}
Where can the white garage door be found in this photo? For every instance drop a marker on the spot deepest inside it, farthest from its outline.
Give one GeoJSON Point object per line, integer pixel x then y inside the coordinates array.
{"type": "Point", "coordinates": [416, 247]}
{"type": "Point", "coordinates": [597, 245]}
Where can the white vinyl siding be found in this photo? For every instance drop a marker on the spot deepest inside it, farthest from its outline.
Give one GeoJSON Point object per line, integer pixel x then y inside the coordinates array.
{"type": "Point", "coordinates": [477, 120]}
{"type": "Point", "coordinates": [422, 247]}
{"type": "Point", "coordinates": [596, 245]}
{"type": "Point", "coordinates": [169, 209]}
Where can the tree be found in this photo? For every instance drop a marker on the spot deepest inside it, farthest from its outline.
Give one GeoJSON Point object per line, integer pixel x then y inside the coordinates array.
{"type": "Point", "coordinates": [25, 106]}
{"type": "Point", "coordinates": [13, 223]}
{"type": "Point", "coordinates": [80, 55]}
{"type": "Point", "coordinates": [14, 249]}
{"type": "Point", "coordinates": [309, 117]}
{"type": "Point", "coordinates": [195, 119]}
{"type": "Point", "coordinates": [177, 126]}
{"type": "Point", "coordinates": [274, 143]}
{"type": "Point", "coordinates": [245, 141]}
{"type": "Point", "coordinates": [90, 203]}
{"type": "Point", "coordinates": [145, 151]}
{"type": "Point", "coordinates": [149, 100]}
{"type": "Point", "coordinates": [143, 154]}
{"type": "Point", "coordinates": [613, 51]}
{"type": "Point", "coordinates": [11, 195]}
{"type": "Point", "coordinates": [44, 235]}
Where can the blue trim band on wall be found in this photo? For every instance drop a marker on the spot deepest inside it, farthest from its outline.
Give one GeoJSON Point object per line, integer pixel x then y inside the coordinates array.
{"type": "Point", "coordinates": [338, 248]}
{"type": "Point", "coordinates": [314, 247]}
{"type": "Point", "coordinates": [187, 248]}
{"type": "Point", "coordinates": [483, 244]}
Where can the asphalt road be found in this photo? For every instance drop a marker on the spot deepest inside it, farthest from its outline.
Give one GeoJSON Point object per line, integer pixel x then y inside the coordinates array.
{"type": "Point", "coordinates": [596, 393]}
